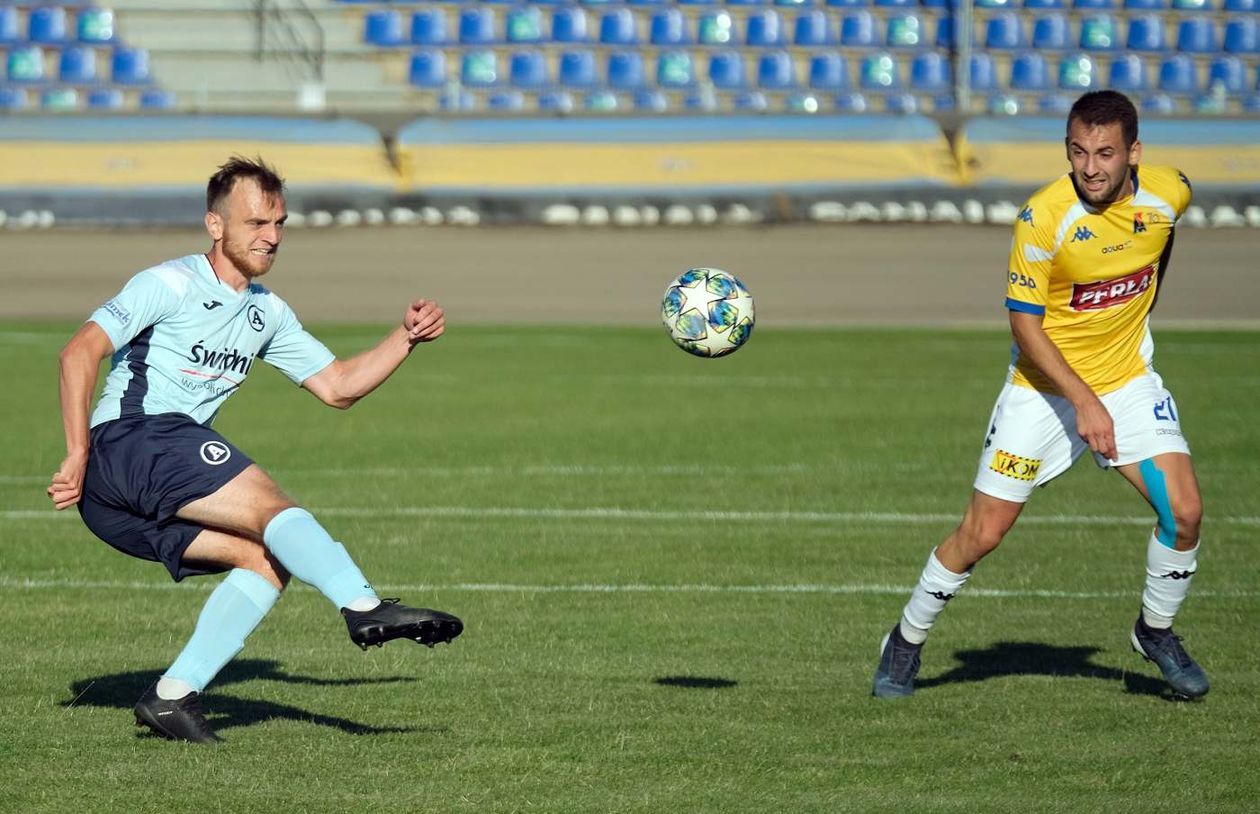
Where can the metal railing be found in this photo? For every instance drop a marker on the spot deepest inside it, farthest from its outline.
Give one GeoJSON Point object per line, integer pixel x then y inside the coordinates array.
{"type": "Point", "coordinates": [288, 29]}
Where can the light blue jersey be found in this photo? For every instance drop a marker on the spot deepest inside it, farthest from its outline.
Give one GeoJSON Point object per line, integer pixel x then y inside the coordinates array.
{"type": "Point", "coordinates": [184, 342]}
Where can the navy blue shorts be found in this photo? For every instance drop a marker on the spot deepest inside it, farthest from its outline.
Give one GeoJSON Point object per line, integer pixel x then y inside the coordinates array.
{"type": "Point", "coordinates": [141, 471]}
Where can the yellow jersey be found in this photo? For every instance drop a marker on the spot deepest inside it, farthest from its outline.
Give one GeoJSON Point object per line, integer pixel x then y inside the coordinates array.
{"type": "Point", "coordinates": [1093, 274]}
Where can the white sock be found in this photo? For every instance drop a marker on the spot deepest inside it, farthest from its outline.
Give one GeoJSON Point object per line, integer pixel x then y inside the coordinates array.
{"type": "Point", "coordinates": [172, 689]}
{"type": "Point", "coordinates": [364, 603]}
{"type": "Point", "coordinates": [1168, 576]}
{"type": "Point", "coordinates": [937, 585]}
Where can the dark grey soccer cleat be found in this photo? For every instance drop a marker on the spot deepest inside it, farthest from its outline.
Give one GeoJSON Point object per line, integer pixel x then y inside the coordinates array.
{"type": "Point", "coordinates": [1164, 648]}
{"type": "Point", "coordinates": [178, 720]}
{"type": "Point", "coordinates": [898, 665]}
{"type": "Point", "coordinates": [390, 620]}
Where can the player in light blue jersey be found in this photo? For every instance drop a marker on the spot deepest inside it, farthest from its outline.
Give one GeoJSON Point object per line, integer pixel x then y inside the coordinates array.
{"type": "Point", "coordinates": [152, 479]}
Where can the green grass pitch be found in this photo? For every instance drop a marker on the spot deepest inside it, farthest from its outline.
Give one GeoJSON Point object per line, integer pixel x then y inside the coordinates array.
{"type": "Point", "coordinates": [674, 573]}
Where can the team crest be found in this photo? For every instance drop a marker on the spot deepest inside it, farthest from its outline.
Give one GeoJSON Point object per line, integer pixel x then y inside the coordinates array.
{"type": "Point", "coordinates": [1139, 225]}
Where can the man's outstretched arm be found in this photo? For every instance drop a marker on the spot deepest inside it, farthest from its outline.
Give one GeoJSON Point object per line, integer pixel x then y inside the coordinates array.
{"type": "Point", "coordinates": [345, 381]}
{"type": "Point", "coordinates": [80, 362]}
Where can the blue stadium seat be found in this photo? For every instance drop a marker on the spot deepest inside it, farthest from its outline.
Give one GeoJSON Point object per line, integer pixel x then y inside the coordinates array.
{"type": "Point", "coordinates": [527, 69]}
{"type": "Point", "coordinates": [1044, 5]}
{"type": "Point", "coordinates": [157, 99]}
{"type": "Point", "coordinates": [1196, 35]}
{"type": "Point", "coordinates": [383, 27]}
{"type": "Point", "coordinates": [848, 3]}
{"type": "Point", "coordinates": [1146, 33]}
{"type": "Point", "coordinates": [764, 29]}
{"type": "Point", "coordinates": [857, 30]}
{"type": "Point", "coordinates": [906, 31]}
{"type": "Point", "coordinates": [577, 69]}
{"type": "Point", "coordinates": [995, 4]}
{"type": "Point", "coordinates": [1055, 103]}
{"type": "Point", "coordinates": [1177, 75]}
{"type": "Point", "coordinates": [26, 64]}
{"type": "Point", "coordinates": [427, 69]}
{"type": "Point", "coordinates": [476, 26]}
{"type": "Point", "coordinates": [930, 73]}
{"type": "Point", "coordinates": [625, 70]}
{"type": "Point", "coordinates": [945, 39]}
{"type": "Point", "coordinates": [776, 71]}
{"type": "Point", "coordinates": [1237, 6]}
{"type": "Point", "coordinates": [726, 70]}
{"type": "Point", "coordinates": [129, 66]}
{"type": "Point", "coordinates": [9, 31]}
{"type": "Point", "coordinates": [715, 28]}
{"type": "Point", "coordinates": [812, 28]}
{"type": "Point", "coordinates": [1093, 5]}
{"type": "Point", "coordinates": [1158, 103]}
{"type": "Point", "coordinates": [1076, 72]}
{"type": "Point", "coordinates": [617, 27]}
{"type": "Point", "coordinates": [752, 100]}
{"type": "Point", "coordinates": [675, 69]}
{"type": "Point", "coordinates": [1051, 33]}
{"type": "Point", "coordinates": [938, 4]}
{"type": "Point", "coordinates": [428, 27]}
{"type": "Point", "coordinates": [850, 103]}
{"type": "Point", "coordinates": [1099, 32]}
{"type": "Point", "coordinates": [747, 2]}
{"type": "Point", "coordinates": [645, 2]}
{"type": "Point", "coordinates": [95, 26]}
{"type": "Point", "coordinates": [568, 24]}
{"type": "Point", "coordinates": [901, 104]}
{"type": "Point", "coordinates": [105, 99]}
{"type": "Point", "coordinates": [880, 72]}
{"type": "Point", "coordinates": [47, 25]}
{"type": "Point", "coordinates": [1145, 5]}
{"type": "Point", "coordinates": [896, 3]}
{"type": "Point", "coordinates": [1241, 36]}
{"type": "Point", "coordinates": [458, 101]}
{"type": "Point", "coordinates": [12, 98]}
{"type": "Point", "coordinates": [791, 3]}
{"type": "Point", "coordinates": [77, 65]}
{"type": "Point", "coordinates": [1029, 72]}
{"type": "Point", "coordinates": [700, 101]}
{"type": "Point", "coordinates": [1127, 73]}
{"type": "Point", "coordinates": [1003, 32]}
{"type": "Point", "coordinates": [1251, 104]}
{"type": "Point", "coordinates": [983, 74]}
{"type": "Point", "coordinates": [806, 103]}
{"type": "Point", "coordinates": [555, 101]}
{"type": "Point", "coordinates": [506, 101]}
{"type": "Point", "coordinates": [828, 72]}
{"type": "Point", "coordinates": [1205, 5]}
{"type": "Point", "coordinates": [668, 27]}
{"type": "Point", "coordinates": [523, 25]}
{"type": "Point", "coordinates": [651, 99]}
{"type": "Point", "coordinates": [696, 2]}
{"type": "Point", "coordinates": [1229, 72]}
{"type": "Point", "coordinates": [479, 69]}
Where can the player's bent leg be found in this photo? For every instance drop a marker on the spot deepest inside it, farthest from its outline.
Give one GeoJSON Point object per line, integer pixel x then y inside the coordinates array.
{"type": "Point", "coordinates": [243, 505]}
{"type": "Point", "coordinates": [1168, 483]}
{"type": "Point", "coordinates": [984, 524]}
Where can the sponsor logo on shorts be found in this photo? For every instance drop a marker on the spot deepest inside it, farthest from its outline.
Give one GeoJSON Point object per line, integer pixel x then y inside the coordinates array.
{"type": "Point", "coordinates": [1015, 466]}
{"type": "Point", "coordinates": [215, 452]}
{"type": "Point", "coordinates": [1110, 293]}
{"type": "Point", "coordinates": [117, 311]}
{"type": "Point", "coordinates": [1166, 431]}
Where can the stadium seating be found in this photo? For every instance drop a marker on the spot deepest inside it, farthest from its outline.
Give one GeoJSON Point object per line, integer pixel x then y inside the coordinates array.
{"type": "Point", "coordinates": [428, 69]}
{"type": "Point", "coordinates": [77, 65]}
{"type": "Point", "coordinates": [726, 70]}
{"type": "Point", "coordinates": [47, 25]}
{"type": "Point", "coordinates": [10, 33]}
{"type": "Point", "coordinates": [626, 70]}
{"type": "Point", "coordinates": [568, 24]}
{"type": "Point", "coordinates": [428, 27]}
{"type": "Point", "coordinates": [1051, 33]}
{"type": "Point", "coordinates": [528, 69]}
{"type": "Point", "coordinates": [1127, 73]}
{"type": "Point", "coordinates": [577, 69]}
{"type": "Point", "coordinates": [828, 72]}
{"type": "Point", "coordinates": [668, 28]}
{"type": "Point", "coordinates": [776, 71]}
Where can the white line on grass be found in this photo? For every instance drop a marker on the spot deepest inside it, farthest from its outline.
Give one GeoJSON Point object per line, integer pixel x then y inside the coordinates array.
{"type": "Point", "coordinates": [13, 583]}
{"type": "Point", "coordinates": [896, 518]}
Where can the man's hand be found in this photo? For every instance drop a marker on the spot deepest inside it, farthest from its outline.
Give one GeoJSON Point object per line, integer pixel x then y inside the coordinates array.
{"type": "Point", "coordinates": [424, 321]}
{"type": "Point", "coordinates": [1094, 425]}
{"type": "Point", "coordinates": [67, 481]}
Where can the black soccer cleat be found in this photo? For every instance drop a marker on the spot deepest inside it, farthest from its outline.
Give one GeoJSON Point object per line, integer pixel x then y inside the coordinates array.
{"type": "Point", "coordinates": [178, 720]}
{"type": "Point", "coordinates": [390, 620]}
{"type": "Point", "coordinates": [898, 666]}
{"type": "Point", "coordinates": [1163, 647]}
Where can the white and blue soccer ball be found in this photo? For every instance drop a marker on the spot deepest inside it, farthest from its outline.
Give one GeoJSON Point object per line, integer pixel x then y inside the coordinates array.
{"type": "Point", "coordinates": [708, 312]}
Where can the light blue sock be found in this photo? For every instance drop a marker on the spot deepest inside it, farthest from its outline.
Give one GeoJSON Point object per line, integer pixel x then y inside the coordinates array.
{"type": "Point", "coordinates": [302, 546]}
{"type": "Point", "coordinates": [231, 613]}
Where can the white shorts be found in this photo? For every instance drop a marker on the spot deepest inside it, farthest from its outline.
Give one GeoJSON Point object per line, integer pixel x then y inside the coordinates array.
{"type": "Point", "coordinates": [1032, 436]}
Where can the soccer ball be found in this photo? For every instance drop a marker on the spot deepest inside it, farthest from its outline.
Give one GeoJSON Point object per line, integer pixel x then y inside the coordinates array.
{"type": "Point", "coordinates": [708, 312]}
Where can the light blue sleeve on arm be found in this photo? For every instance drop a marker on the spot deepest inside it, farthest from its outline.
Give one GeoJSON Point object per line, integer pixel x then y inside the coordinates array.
{"type": "Point", "coordinates": [292, 350]}
{"type": "Point", "coordinates": [145, 299]}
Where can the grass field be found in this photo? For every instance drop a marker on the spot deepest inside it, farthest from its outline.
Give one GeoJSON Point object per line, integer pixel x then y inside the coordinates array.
{"type": "Point", "coordinates": [674, 573]}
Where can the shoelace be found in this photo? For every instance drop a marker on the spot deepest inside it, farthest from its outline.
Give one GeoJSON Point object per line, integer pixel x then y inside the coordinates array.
{"type": "Point", "coordinates": [192, 706]}
{"type": "Point", "coordinates": [1171, 644]}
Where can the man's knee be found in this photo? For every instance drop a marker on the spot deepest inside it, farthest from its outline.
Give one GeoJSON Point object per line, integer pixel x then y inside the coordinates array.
{"type": "Point", "coordinates": [1187, 514]}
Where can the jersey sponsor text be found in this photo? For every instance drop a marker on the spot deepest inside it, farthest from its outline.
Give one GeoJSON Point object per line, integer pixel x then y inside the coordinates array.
{"type": "Point", "coordinates": [1110, 293]}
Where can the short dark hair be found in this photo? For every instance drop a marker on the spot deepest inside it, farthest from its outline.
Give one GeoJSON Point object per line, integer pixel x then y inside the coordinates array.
{"type": "Point", "coordinates": [238, 167]}
{"type": "Point", "coordinates": [1103, 107]}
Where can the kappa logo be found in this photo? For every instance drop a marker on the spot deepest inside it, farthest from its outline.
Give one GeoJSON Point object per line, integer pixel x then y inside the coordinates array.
{"type": "Point", "coordinates": [1026, 215]}
{"type": "Point", "coordinates": [1177, 575]}
{"type": "Point", "coordinates": [1082, 234]}
{"type": "Point", "coordinates": [254, 316]}
{"type": "Point", "coordinates": [941, 595]}
{"type": "Point", "coordinates": [1184, 180]}
{"type": "Point", "coordinates": [215, 452]}
{"type": "Point", "coordinates": [1015, 466]}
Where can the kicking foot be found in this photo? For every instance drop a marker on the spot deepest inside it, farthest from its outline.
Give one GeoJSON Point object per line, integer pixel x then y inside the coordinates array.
{"type": "Point", "coordinates": [178, 720]}
{"type": "Point", "coordinates": [390, 620]}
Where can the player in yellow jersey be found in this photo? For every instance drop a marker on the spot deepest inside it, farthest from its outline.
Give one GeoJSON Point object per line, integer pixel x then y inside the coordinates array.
{"type": "Point", "coordinates": [1089, 253]}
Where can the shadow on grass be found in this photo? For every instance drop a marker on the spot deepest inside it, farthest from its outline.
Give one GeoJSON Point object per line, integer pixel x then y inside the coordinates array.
{"type": "Point", "coordinates": [1033, 658]}
{"type": "Point", "coordinates": [122, 690]}
{"type": "Point", "coordinates": [695, 682]}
